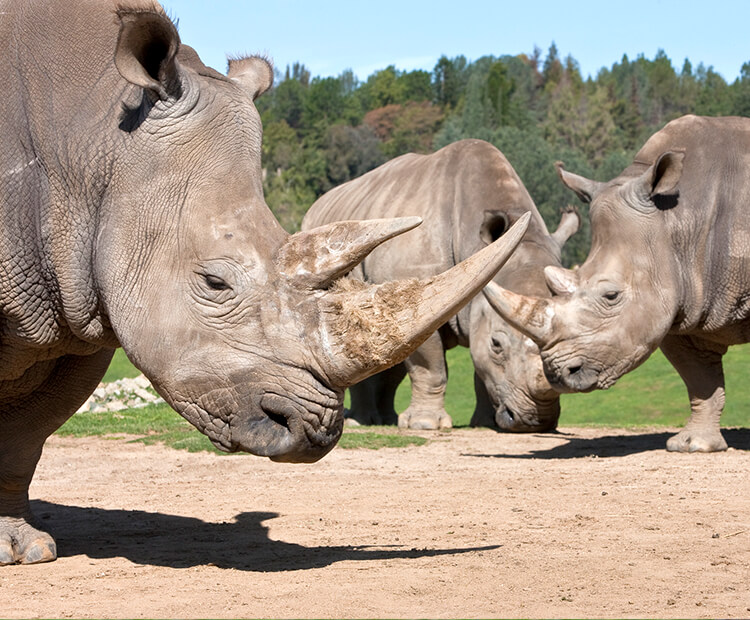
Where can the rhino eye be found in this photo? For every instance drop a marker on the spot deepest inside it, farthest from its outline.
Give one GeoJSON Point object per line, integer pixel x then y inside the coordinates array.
{"type": "Point", "coordinates": [216, 283]}
{"type": "Point", "coordinates": [496, 345]}
{"type": "Point", "coordinates": [612, 296]}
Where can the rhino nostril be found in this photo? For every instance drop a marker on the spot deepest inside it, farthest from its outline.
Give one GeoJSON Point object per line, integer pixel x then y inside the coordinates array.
{"type": "Point", "coordinates": [277, 418]}
{"type": "Point", "coordinates": [574, 369]}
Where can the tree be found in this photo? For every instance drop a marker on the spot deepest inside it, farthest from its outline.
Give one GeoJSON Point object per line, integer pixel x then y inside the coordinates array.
{"type": "Point", "coordinates": [414, 86]}
{"type": "Point", "coordinates": [500, 88]}
{"type": "Point", "coordinates": [741, 92]}
{"type": "Point", "coordinates": [350, 152]}
{"type": "Point", "coordinates": [714, 97]}
{"type": "Point", "coordinates": [552, 70]}
{"type": "Point", "coordinates": [448, 80]}
{"type": "Point", "coordinates": [598, 136]}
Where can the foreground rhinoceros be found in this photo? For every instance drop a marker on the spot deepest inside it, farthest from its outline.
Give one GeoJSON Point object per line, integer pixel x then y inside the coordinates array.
{"type": "Point", "coordinates": [669, 267]}
{"type": "Point", "coordinates": [469, 195]}
{"type": "Point", "coordinates": [133, 214]}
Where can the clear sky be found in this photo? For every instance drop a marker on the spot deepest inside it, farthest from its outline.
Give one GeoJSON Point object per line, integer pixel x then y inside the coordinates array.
{"type": "Point", "coordinates": [330, 36]}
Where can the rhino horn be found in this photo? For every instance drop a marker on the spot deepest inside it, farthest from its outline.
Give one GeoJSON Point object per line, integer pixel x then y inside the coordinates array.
{"type": "Point", "coordinates": [529, 315]}
{"type": "Point", "coordinates": [317, 258]}
{"type": "Point", "coordinates": [372, 327]}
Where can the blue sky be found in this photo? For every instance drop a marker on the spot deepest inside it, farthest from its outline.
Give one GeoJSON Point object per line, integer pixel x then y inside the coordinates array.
{"type": "Point", "coordinates": [329, 36]}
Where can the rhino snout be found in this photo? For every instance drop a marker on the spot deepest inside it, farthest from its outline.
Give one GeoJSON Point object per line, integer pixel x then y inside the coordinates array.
{"type": "Point", "coordinates": [542, 420]}
{"type": "Point", "coordinates": [284, 433]}
{"type": "Point", "coordinates": [575, 374]}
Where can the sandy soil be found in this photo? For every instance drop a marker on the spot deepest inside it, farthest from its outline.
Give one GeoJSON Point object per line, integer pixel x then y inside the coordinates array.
{"type": "Point", "coordinates": [585, 523]}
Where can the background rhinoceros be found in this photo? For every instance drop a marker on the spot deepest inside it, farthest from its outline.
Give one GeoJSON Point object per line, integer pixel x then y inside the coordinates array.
{"type": "Point", "coordinates": [468, 195]}
{"type": "Point", "coordinates": [133, 214]}
{"type": "Point", "coordinates": [669, 267]}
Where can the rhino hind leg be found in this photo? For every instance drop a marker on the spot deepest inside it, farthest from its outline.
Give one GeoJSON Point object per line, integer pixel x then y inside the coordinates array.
{"type": "Point", "coordinates": [429, 376]}
{"type": "Point", "coordinates": [699, 365]}
{"type": "Point", "coordinates": [372, 399]}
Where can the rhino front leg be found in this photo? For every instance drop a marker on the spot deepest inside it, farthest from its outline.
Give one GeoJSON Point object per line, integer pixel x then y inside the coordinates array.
{"type": "Point", "coordinates": [20, 541]}
{"type": "Point", "coordinates": [372, 399]}
{"type": "Point", "coordinates": [429, 375]}
{"type": "Point", "coordinates": [484, 411]}
{"type": "Point", "coordinates": [699, 364]}
{"type": "Point", "coordinates": [26, 423]}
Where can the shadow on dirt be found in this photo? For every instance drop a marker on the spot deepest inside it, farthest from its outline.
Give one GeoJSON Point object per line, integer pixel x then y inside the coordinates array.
{"type": "Point", "coordinates": [614, 445]}
{"type": "Point", "coordinates": [159, 539]}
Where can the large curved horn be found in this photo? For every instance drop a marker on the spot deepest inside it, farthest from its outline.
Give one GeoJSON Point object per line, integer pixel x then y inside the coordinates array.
{"type": "Point", "coordinates": [529, 315]}
{"type": "Point", "coordinates": [369, 328]}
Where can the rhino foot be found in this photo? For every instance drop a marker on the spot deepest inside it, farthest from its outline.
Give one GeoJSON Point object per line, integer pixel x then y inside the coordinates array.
{"type": "Point", "coordinates": [695, 441]}
{"type": "Point", "coordinates": [424, 419]}
{"type": "Point", "coordinates": [20, 543]}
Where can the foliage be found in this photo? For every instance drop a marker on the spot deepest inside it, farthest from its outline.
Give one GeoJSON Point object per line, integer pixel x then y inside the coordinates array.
{"type": "Point", "coordinates": [321, 132]}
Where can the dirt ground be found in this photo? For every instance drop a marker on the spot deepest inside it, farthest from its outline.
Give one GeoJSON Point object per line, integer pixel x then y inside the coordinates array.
{"type": "Point", "coordinates": [584, 523]}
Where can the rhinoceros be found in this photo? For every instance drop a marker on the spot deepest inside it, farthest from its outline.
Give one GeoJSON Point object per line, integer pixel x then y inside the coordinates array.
{"type": "Point", "coordinates": [133, 215]}
{"type": "Point", "coordinates": [669, 267]}
{"type": "Point", "coordinates": [468, 195]}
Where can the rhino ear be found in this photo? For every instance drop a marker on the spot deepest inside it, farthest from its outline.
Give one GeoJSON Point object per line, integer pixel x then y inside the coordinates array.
{"type": "Point", "coordinates": [560, 281]}
{"type": "Point", "coordinates": [583, 187]}
{"type": "Point", "coordinates": [146, 49]}
{"type": "Point", "coordinates": [494, 224]}
{"type": "Point", "coordinates": [570, 222]}
{"type": "Point", "coordinates": [254, 74]}
{"type": "Point", "coordinates": [665, 174]}
{"type": "Point", "coordinates": [315, 258]}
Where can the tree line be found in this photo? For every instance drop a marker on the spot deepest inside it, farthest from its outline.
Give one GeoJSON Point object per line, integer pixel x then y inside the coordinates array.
{"type": "Point", "coordinates": [320, 132]}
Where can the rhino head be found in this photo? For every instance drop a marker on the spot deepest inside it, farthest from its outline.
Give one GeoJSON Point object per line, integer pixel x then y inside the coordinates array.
{"type": "Point", "coordinates": [608, 316]}
{"type": "Point", "coordinates": [506, 361]}
{"type": "Point", "coordinates": [250, 333]}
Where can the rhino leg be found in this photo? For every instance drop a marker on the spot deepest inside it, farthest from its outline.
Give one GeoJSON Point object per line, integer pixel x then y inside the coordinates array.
{"type": "Point", "coordinates": [26, 425]}
{"type": "Point", "coordinates": [372, 399]}
{"type": "Point", "coordinates": [699, 364]}
{"type": "Point", "coordinates": [429, 375]}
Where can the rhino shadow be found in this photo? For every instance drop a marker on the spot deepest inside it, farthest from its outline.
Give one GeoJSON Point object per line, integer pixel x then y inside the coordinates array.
{"type": "Point", "coordinates": [159, 539]}
{"type": "Point", "coordinates": [614, 445]}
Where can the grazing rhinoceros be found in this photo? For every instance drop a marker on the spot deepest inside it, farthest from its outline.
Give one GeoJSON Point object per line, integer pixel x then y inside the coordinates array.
{"type": "Point", "coordinates": [669, 267]}
{"type": "Point", "coordinates": [133, 215]}
{"type": "Point", "coordinates": [469, 195]}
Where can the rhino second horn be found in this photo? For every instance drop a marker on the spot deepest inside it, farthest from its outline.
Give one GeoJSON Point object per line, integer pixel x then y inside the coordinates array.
{"type": "Point", "coordinates": [373, 327]}
{"type": "Point", "coordinates": [316, 258]}
{"type": "Point", "coordinates": [529, 315]}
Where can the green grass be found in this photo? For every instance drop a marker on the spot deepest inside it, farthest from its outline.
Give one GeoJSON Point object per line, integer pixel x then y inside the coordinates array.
{"type": "Point", "coordinates": [651, 396]}
{"type": "Point", "coordinates": [120, 368]}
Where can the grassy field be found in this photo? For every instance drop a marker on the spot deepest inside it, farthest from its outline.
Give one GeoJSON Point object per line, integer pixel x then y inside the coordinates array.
{"type": "Point", "coordinates": [651, 396]}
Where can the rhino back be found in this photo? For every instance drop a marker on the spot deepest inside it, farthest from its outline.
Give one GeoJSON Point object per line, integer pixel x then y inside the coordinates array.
{"type": "Point", "coordinates": [709, 227]}
{"type": "Point", "coordinates": [449, 189]}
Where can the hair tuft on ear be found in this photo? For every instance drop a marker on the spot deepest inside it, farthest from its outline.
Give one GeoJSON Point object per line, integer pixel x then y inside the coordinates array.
{"type": "Point", "coordinates": [253, 73]}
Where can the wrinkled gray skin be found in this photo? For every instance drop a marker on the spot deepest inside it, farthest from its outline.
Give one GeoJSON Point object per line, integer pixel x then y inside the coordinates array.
{"type": "Point", "coordinates": [468, 195]}
{"type": "Point", "coordinates": [133, 215]}
{"type": "Point", "coordinates": [668, 268]}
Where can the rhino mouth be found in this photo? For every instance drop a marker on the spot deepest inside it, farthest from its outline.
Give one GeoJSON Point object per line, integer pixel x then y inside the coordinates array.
{"type": "Point", "coordinates": [519, 411]}
{"type": "Point", "coordinates": [538, 421]}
